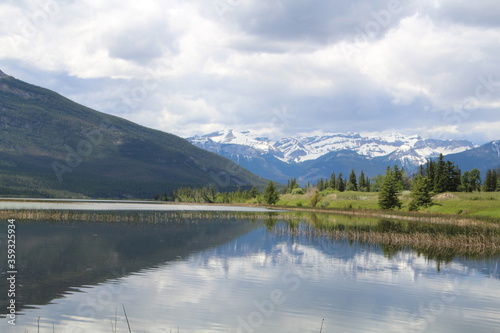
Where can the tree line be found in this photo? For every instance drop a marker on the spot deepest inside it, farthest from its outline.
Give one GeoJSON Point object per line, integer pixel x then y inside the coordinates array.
{"type": "Point", "coordinates": [208, 194]}
{"type": "Point", "coordinates": [432, 178]}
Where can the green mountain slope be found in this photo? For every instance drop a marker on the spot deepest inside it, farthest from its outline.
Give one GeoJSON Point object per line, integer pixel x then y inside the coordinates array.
{"type": "Point", "coordinates": [53, 147]}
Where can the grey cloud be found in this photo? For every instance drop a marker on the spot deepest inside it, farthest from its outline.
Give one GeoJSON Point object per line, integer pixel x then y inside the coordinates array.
{"type": "Point", "coordinates": [141, 44]}
{"type": "Point", "coordinates": [253, 92]}
{"type": "Point", "coordinates": [484, 13]}
{"type": "Point", "coordinates": [319, 21]}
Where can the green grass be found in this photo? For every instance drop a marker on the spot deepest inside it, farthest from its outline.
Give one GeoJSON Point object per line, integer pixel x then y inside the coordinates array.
{"type": "Point", "coordinates": [477, 204]}
{"type": "Point", "coordinates": [470, 204]}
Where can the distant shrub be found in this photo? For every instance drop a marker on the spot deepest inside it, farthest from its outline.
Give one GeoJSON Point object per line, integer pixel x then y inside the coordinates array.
{"type": "Point", "coordinates": [315, 199]}
{"type": "Point", "coordinates": [328, 190]}
{"type": "Point", "coordinates": [298, 190]}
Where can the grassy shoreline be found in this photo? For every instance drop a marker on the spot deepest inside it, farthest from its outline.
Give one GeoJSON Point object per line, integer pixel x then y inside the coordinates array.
{"type": "Point", "coordinates": [456, 208]}
{"type": "Point", "coordinates": [479, 206]}
{"type": "Point", "coordinates": [436, 235]}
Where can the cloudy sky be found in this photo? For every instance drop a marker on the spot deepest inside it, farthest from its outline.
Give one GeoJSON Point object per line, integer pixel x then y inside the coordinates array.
{"type": "Point", "coordinates": [428, 67]}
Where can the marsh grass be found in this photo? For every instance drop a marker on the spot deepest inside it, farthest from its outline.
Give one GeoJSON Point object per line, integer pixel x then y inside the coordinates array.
{"type": "Point", "coordinates": [129, 216]}
{"type": "Point", "coordinates": [432, 233]}
{"type": "Point", "coordinates": [435, 239]}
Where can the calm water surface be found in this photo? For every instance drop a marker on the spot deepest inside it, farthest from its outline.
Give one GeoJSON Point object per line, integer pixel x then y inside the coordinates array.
{"type": "Point", "coordinates": [109, 205]}
{"type": "Point", "coordinates": [229, 274]}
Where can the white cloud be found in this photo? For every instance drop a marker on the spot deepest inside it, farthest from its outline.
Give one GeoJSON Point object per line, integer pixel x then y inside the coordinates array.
{"type": "Point", "coordinates": [240, 62]}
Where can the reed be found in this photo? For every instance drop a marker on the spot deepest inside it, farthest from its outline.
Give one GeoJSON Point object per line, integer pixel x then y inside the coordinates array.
{"type": "Point", "coordinates": [467, 242]}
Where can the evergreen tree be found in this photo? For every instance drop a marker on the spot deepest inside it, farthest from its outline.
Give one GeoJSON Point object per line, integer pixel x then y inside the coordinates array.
{"type": "Point", "coordinates": [453, 174]}
{"type": "Point", "coordinates": [333, 181]}
{"type": "Point", "coordinates": [254, 192]}
{"type": "Point", "coordinates": [271, 194]}
{"type": "Point", "coordinates": [352, 185]}
{"type": "Point", "coordinates": [398, 178]}
{"type": "Point", "coordinates": [421, 170]}
{"type": "Point", "coordinates": [368, 184]}
{"type": "Point", "coordinates": [491, 181]}
{"type": "Point", "coordinates": [388, 196]}
{"type": "Point", "coordinates": [361, 183]}
{"type": "Point", "coordinates": [421, 193]}
{"type": "Point", "coordinates": [291, 185]}
{"type": "Point", "coordinates": [431, 171]}
{"type": "Point", "coordinates": [440, 176]}
{"type": "Point", "coordinates": [321, 185]}
{"type": "Point", "coordinates": [340, 183]}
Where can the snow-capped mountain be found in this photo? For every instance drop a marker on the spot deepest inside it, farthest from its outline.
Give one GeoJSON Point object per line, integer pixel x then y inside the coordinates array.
{"type": "Point", "coordinates": [318, 156]}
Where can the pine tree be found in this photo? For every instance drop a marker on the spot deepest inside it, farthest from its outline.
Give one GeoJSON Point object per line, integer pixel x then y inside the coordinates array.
{"type": "Point", "coordinates": [340, 183]}
{"type": "Point", "coordinates": [421, 170]}
{"type": "Point", "coordinates": [333, 181]}
{"type": "Point", "coordinates": [440, 177]}
{"type": "Point", "coordinates": [321, 184]}
{"type": "Point", "coordinates": [271, 194]}
{"type": "Point", "coordinates": [421, 193]}
{"type": "Point", "coordinates": [490, 182]}
{"type": "Point", "coordinates": [431, 171]}
{"type": "Point", "coordinates": [352, 185]}
{"type": "Point", "coordinates": [398, 178]}
{"type": "Point", "coordinates": [453, 175]}
{"type": "Point", "coordinates": [291, 185]}
{"type": "Point", "coordinates": [388, 196]}
{"type": "Point", "coordinates": [361, 182]}
{"type": "Point", "coordinates": [254, 192]}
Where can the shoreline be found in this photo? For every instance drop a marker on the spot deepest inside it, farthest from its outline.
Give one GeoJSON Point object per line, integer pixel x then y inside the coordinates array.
{"type": "Point", "coordinates": [384, 214]}
{"type": "Point", "coordinates": [433, 233]}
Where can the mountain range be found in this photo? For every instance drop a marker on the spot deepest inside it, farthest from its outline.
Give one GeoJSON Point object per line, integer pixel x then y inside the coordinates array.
{"type": "Point", "coordinates": [309, 158]}
{"type": "Point", "coordinates": [51, 146]}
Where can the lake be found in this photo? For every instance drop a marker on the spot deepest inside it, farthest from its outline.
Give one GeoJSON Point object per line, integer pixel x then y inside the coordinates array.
{"type": "Point", "coordinates": [247, 270]}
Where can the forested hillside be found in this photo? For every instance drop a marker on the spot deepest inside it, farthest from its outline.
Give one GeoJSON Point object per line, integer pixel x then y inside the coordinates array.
{"type": "Point", "coordinates": [51, 146]}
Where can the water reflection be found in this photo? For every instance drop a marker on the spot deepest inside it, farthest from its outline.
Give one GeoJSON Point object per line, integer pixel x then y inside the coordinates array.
{"type": "Point", "coordinates": [53, 258]}
{"type": "Point", "coordinates": [438, 240]}
{"type": "Point", "coordinates": [278, 275]}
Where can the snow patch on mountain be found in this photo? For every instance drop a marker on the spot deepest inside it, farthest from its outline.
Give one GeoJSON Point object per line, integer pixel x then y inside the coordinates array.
{"type": "Point", "coordinates": [230, 137]}
{"type": "Point", "coordinates": [405, 150]}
